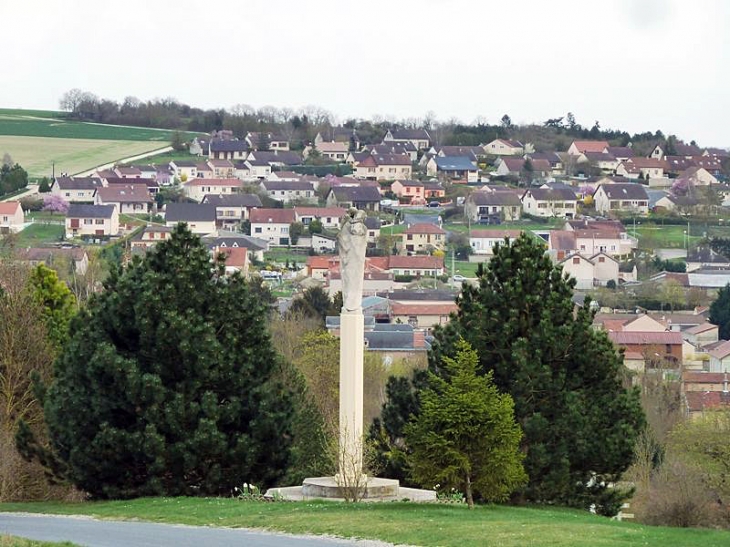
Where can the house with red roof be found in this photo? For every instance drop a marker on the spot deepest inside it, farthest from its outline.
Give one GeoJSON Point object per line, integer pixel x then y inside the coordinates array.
{"type": "Point", "coordinates": [236, 259]}
{"type": "Point", "coordinates": [644, 168]}
{"type": "Point", "coordinates": [272, 225]}
{"type": "Point", "coordinates": [581, 147]}
{"type": "Point", "coordinates": [409, 191]}
{"type": "Point", "coordinates": [656, 347]}
{"type": "Point", "coordinates": [720, 357]}
{"type": "Point", "coordinates": [423, 237]}
{"type": "Point", "coordinates": [328, 216]}
{"type": "Point", "coordinates": [696, 402]}
{"type": "Point", "coordinates": [421, 315]}
{"type": "Point", "coordinates": [418, 266]}
{"type": "Point", "coordinates": [12, 217]}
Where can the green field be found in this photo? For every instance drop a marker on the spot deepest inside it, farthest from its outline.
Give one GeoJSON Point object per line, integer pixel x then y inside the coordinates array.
{"type": "Point", "coordinates": [38, 139]}
{"type": "Point", "coordinates": [35, 123]}
{"type": "Point", "coordinates": [38, 154]}
{"type": "Point", "coordinates": [655, 236]}
{"type": "Point", "coordinates": [396, 522]}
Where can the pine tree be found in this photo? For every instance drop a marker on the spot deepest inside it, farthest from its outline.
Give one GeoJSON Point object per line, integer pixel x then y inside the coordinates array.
{"type": "Point", "coordinates": [57, 301]}
{"type": "Point", "coordinates": [167, 384]}
{"type": "Point", "coordinates": [720, 312]}
{"type": "Point", "coordinates": [565, 378]}
{"type": "Point", "coordinates": [465, 436]}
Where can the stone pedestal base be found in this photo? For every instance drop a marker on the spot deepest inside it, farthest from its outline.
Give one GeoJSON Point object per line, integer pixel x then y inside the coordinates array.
{"type": "Point", "coordinates": [326, 488]}
{"type": "Point", "coordinates": [329, 487]}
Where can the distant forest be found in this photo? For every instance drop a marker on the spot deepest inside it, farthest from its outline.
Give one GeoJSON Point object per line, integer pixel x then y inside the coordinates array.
{"type": "Point", "coordinates": [302, 125]}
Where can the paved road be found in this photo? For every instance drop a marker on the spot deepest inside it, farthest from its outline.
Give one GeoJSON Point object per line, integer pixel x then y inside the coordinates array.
{"type": "Point", "coordinates": [108, 533]}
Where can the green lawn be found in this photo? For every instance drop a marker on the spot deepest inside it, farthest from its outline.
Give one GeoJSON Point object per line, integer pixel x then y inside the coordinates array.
{"type": "Point", "coordinates": [38, 234]}
{"type": "Point", "coordinates": [12, 541]}
{"type": "Point", "coordinates": [397, 522]}
{"type": "Point", "coordinates": [282, 255]}
{"type": "Point", "coordinates": [654, 236]}
{"type": "Point", "coordinates": [393, 229]}
{"type": "Point", "coordinates": [463, 267]}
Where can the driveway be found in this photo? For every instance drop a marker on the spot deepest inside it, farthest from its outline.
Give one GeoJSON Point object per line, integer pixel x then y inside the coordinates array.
{"type": "Point", "coordinates": [108, 533]}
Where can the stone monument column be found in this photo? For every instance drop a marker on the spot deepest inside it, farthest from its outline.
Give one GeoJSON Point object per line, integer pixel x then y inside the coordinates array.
{"type": "Point", "coordinates": [352, 241]}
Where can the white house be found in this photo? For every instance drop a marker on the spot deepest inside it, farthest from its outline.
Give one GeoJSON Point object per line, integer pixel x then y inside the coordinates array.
{"type": "Point", "coordinates": [12, 217]}
{"type": "Point", "coordinates": [76, 189]}
{"type": "Point", "coordinates": [200, 217]}
{"type": "Point", "coordinates": [128, 198]}
{"type": "Point", "coordinates": [92, 220]}
{"type": "Point", "coordinates": [589, 272]}
{"type": "Point", "coordinates": [483, 242]}
{"type": "Point", "coordinates": [272, 225]}
{"type": "Point", "coordinates": [504, 147]}
{"type": "Point", "coordinates": [492, 206]}
{"type": "Point", "coordinates": [624, 197]}
{"type": "Point", "coordinates": [328, 216]}
{"type": "Point", "coordinates": [197, 189]}
{"type": "Point", "coordinates": [287, 191]}
{"type": "Point", "coordinates": [550, 202]}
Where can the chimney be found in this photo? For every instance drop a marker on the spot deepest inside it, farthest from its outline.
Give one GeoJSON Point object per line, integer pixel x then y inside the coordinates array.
{"type": "Point", "coordinates": [419, 339]}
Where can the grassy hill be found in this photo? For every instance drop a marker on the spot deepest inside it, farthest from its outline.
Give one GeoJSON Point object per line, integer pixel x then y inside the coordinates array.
{"type": "Point", "coordinates": [48, 123]}
{"type": "Point", "coordinates": [39, 138]}
{"type": "Point", "coordinates": [397, 522]}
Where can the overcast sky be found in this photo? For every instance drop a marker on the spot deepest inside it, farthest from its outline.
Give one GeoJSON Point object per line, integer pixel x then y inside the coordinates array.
{"type": "Point", "coordinates": [638, 65]}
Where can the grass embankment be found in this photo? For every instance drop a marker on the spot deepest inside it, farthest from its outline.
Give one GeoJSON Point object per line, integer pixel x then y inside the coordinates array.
{"type": "Point", "coordinates": [167, 157]}
{"type": "Point", "coordinates": [12, 541]}
{"type": "Point", "coordinates": [38, 234]}
{"type": "Point", "coordinates": [400, 523]}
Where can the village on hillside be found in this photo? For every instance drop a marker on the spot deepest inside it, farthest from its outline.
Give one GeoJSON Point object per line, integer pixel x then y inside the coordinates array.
{"type": "Point", "coordinates": [634, 231]}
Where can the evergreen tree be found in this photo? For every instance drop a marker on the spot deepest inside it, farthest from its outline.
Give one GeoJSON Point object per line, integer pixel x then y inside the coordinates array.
{"type": "Point", "coordinates": [465, 435]}
{"type": "Point", "coordinates": [565, 378]}
{"type": "Point", "coordinates": [57, 301]}
{"type": "Point", "coordinates": [167, 385]}
{"type": "Point", "coordinates": [314, 302]}
{"type": "Point", "coordinates": [720, 312]}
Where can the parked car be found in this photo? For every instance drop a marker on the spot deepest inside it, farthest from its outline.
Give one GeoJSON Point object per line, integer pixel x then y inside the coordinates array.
{"type": "Point", "coordinates": [459, 278]}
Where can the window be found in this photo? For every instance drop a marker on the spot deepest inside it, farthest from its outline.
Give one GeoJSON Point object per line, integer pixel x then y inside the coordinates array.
{"type": "Point", "coordinates": [576, 260]}
{"type": "Point", "coordinates": [257, 230]}
{"type": "Point", "coordinates": [601, 259]}
{"type": "Point", "coordinates": [99, 221]}
{"type": "Point", "coordinates": [410, 237]}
